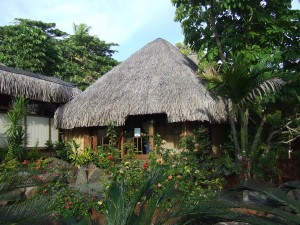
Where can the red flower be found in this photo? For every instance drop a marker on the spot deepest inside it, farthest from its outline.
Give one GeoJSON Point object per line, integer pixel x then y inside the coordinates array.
{"type": "Point", "coordinates": [110, 157]}
{"type": "Point", "coordinates": [25, 162]}
{"type": "Point", "coordinates": [70, 203]}
{"type": "Point", "coordinates": [67, 206]}
{"type": "Point", "coordinates": [145, 165]}
{"type": "Point", "coordinates": [38, 167]}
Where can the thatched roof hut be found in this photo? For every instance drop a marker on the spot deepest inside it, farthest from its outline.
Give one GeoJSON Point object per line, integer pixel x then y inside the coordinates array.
{"type": "Point", "coordinates": [156, 79]}
{"type": "Point", "coordinates": [34, 86]}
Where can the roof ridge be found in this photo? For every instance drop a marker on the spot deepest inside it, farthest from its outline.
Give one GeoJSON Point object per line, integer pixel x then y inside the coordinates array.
{"type": "Point", "coordinates": [37, 75]}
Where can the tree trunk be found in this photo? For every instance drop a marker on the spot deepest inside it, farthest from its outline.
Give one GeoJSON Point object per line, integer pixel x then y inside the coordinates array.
{"type": "Point", "coordinates": [258, 133]}
{"type": "Point", "coordinates": [237, 150]}
{"type": "Point", "coordinates": [244, 114]}
{"type": "Point", "coordinates": [214, 28]}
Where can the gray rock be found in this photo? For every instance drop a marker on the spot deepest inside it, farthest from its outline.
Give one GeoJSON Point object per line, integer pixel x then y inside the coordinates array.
{"type": "Point", "coordinates": [60, 163]}
{"type": "Point", "coordinates": [94, 175]}
{"type": "Point", "coordinates": [91, 166]}
{"type": "Point", "coordinates": [31, 191]}
{"type": "Point", "coordinates": [257, 197]}
{"type": "Point", "coordinates": [3, 203]}
{"type": "Point", "coordinates": [92, 189]}
{"type": "Point", "coordinates": [294, 194]}
{"type": "Point", "coordinates": [81, 176]}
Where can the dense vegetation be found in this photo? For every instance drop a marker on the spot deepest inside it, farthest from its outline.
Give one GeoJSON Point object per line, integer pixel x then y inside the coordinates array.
{"type": "Point", "coordinates": [40, 47]}
{"type": "Point", "coordinates": [249, 53]}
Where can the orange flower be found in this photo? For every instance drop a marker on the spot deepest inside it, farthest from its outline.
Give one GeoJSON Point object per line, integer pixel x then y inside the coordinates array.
{"type": "Point", "coordinates": [38, 167]}
{"type": "Point", "coordinates": [145, 165]}
{"type": "Point", "coordinates": [25, 162]}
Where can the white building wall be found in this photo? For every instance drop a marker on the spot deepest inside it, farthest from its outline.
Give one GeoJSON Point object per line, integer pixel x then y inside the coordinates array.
{"type": "Point", "coordinates": [54, 132]}
{"type": "Point", "coordinates": [3, 124]}
{"type": "Point", "coordinates": [37, 130]}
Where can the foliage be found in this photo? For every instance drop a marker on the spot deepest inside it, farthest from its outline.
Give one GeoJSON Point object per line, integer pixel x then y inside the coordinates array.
{"type": "Point", "coordinates": [155, 203]}
{"type": "Point", "coordinates": [268, 205]}
{"type": "Point", "coordinates": [14, 131]}
{"type": "Point", "coordinates": [34, 154]}
{"type": "Point", "coordinates": [78, 157]}
{"type": "Point", "coordinates": [251, 31]}
{"type": "Point", "coordinates": [48, 179]}
{"type": "Point", "coordinates": [40, 47]}
{"type": "Point", "coordinates": [104, 158]}
{"type": "Point", "coordinates": [60, 150]}
{"type": "Point", "coordinates": [73, 204]}
{"type": "Point", "coordinates": [245, 85]}
{"type": "Point", "coordinates": [82, 53]}
{"type": "Point", "coordinates": [256, 28]}
{"type": "Point", "coordinates": [183, 48]}
{"type": "Point", "coordinates": [192, 170]}
{"type": "Point", "coordinates": [30, 45]}
{"type": "Point", "coordinates": [107, 156]}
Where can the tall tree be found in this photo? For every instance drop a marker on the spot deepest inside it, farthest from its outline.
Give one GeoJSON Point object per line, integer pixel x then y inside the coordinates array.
{"type": "Point", "coordinates": [257, 28]}
{"type": "Point", "coordinates": [39, 47]}
{"type": "Point", "coordinates": [30, 45]}
{"type": "Point", "coordinates": [244, 85]}
{"type": "Point", "coordinates": [85, 57]}
{"type": "Point", "coordinates": [234, 36]}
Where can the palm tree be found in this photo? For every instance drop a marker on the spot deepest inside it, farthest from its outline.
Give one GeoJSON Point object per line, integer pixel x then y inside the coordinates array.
{"type": "Point", "coordinates": [81, 29]}
{"type": "Point", "coordinates": [243, 84]}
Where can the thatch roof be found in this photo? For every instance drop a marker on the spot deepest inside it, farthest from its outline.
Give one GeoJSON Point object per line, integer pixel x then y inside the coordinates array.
{"type": "Point", "coordinates": [35, 86]}
{"type": "Point", "coordinates": [156, 79]}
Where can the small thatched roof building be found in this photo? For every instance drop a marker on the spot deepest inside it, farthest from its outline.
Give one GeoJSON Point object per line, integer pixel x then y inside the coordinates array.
{"type": "Point", "coordinates": [156, 79]}
{"type": "Point", "coordinates": [156, 85]}
{"type": "Point", "coordinates": [34, 86]}
{"type": "Point", "coordinates": [43, 94]}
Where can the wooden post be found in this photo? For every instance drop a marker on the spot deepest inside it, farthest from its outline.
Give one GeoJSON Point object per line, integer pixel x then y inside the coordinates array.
{"type": "Point", "coordinates": [184, 130]}
{"type": "Point", "coordinates": [95, 139]}
{"type": "Point", "coordinates": [86, 140]}
{"type": "Point", "coordinates": [218, 138]}
{"type": "Point", "coordinates": [151, 135]}
{"type": "Point", "coordinates": [122, 142]}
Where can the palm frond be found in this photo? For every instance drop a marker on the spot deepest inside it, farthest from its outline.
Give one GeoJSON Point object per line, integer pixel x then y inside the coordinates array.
{"type": "Point", "coordinates": [269, 86]}
{"type": "Point", "coordinates": [25, 212]}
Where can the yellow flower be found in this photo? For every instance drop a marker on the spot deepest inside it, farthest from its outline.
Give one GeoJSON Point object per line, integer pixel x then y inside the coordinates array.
{"type": "Point", "coordinates": [100, 202]}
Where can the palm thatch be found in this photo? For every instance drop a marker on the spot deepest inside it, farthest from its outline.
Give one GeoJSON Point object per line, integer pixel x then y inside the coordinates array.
{"type": "Point", "coordinates": [156, 79]}
{"type": "Point", "coordinates": [35, 86]}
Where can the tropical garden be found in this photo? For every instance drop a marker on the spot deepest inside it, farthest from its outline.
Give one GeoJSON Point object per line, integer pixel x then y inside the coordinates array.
{"type": "Point", "coordinates": [249, 56]}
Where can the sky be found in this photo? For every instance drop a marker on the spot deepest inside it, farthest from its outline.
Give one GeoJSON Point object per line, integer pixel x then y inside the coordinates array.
{"type": "Point", "coordinates": [129, 23]}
